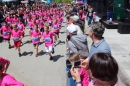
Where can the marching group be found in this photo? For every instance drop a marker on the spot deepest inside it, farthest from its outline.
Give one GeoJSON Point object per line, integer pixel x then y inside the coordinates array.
{"type": "Point", "coordinates": [42, 21]}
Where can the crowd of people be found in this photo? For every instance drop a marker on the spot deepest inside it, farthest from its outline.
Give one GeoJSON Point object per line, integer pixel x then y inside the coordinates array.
{"type": "Point", "coordinates": [43, 23]}
{"type": "Point", "coordinates": [94, 67]}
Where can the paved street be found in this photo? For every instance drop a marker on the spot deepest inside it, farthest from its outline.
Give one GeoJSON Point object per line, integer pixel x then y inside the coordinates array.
{"type": "Point", "coordinates": [37, 71]}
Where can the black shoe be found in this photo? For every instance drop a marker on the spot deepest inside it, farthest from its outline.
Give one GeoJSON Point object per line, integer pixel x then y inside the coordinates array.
{"type": "Point", "coordinates": [53, 51]}
{"type": "Point", "coordinates": [51, 58]}
{"type": "Point", "coordinates": [9, 46]}
{"type": "Point", "coordinates": [20, 54]}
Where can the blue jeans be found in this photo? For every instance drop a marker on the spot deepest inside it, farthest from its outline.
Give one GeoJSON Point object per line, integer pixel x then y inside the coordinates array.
{"type": "Point", "coordinates": [89, 20]}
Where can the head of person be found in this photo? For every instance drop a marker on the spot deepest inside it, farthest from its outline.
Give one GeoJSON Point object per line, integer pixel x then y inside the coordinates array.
{"type": "Point", "coordinates": [15, 16]}
{"type": "Point", "coordinates": [75, 18]}
{"type": "Point", "coordinates": [15, 27]}
{"type": "Point", "coordinates": [75, 57]}
{"type": "Point", "coordinates": [96, 30]}
{"type": "Point", "coordinates": [103, 67]}
{"type": "Point", "coordinates": [72, 30]}
{"type": "Point", "coordinates": [34, 20]}
{"type": "Point", "coordinates": [5, 23]}
{"type": "Point", "coordinates": [20, 21]}
{"type": "Point", "coordinates": [55, 21]}
{"type": "Point", "coordinates": [36, 27]}
{"type": "Point", "coordinates": [46, 27]}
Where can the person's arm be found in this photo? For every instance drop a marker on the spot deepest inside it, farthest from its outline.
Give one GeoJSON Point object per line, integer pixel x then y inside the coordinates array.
{"type": "Point", "coordinates": [6, 66]}
{"type": "Point", "coordinates": [76, 75]}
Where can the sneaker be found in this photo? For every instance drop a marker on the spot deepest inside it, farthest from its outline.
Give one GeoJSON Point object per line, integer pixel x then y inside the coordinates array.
{"type": "Point", "coordinates": [36, 55]}
{"type": "Point", "coordinates": [20, 54]}
{"type": "Point", "coordinates": [9, 46]}
{"type": "Point", "coordinates": [51, 58]}
{"type": "Point", "coordinates": [53, 51]}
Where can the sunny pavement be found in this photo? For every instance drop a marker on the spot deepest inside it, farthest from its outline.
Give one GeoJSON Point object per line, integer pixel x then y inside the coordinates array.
{"type": "Point", "coordinates": [37, 71]}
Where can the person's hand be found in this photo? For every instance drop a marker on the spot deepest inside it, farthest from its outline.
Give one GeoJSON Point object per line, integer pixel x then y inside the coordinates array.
{"type": "Point", "coordinates": [84, 63]}
{"type": "Point", "coordinates": [75, 74]}
{"type": "Point", "coordinates": [0, 35]}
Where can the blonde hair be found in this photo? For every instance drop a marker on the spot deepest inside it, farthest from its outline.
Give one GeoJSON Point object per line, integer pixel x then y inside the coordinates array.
{"type": "Point", "coordinates": [74, 57]}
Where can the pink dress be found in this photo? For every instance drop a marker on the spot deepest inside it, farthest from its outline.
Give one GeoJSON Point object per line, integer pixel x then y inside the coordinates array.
{"type": "Point", "coordinates": [6, 31]}
{"type": "Point", "coordinates": [35, 34]}
{"type": "Point", "coordinates": [9, 80]}
{"type": "Point", "coordinates": [48, 38]}
{"type": "Point", "coordinates": [84, 77]}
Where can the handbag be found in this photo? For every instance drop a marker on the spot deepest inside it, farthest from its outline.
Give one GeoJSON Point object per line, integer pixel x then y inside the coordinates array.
{"type": "Point", "coordinates": [83, 53]}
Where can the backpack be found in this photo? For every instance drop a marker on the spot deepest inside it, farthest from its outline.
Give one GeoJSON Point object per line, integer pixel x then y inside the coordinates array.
{"type": "Point", "coordinates": [83, 53]}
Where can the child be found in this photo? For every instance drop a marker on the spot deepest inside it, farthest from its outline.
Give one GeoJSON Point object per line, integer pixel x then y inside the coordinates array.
{"type": "Point", "coordinates": [5, 64]}
{"type": "Point", "coordinates": [35, 36]}
{"type": "Point", "coordinates": [83, 73]}
{"type": "Point", "coordinates": [21, 27]}
{"type": "Point", "coordinates": [9, 19]}
{"type": "Point", "coordinates": [49, 43]}
{"type": "Point", "coordinates": [17, 37]}
{"type": "Point", "coordinates": [6, 33]}
{"type": "Point", "coordinates": [15, 20]}
{"type": "Point", "coordinates": [8, 80]}
{"type": "Point", "coordinates": [41, 24]}
{"type": "Point", "coordinates": [56, 28]}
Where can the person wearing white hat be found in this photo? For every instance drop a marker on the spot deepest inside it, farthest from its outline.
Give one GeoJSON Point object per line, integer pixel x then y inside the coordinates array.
{"type": "Point", "coordinates": [79, 39]}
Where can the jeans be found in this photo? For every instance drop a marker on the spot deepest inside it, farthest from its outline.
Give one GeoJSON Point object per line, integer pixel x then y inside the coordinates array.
{"type": "Point", "coordinates": [89, 20]}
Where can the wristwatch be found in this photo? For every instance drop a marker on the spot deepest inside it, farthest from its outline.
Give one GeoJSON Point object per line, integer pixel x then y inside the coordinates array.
{"type": "Point", "coordinates": [77, 82]}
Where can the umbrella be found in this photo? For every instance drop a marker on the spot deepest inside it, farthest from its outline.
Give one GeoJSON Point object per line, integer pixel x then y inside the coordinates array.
{"type": "Point", "coordinates": [79, 2]}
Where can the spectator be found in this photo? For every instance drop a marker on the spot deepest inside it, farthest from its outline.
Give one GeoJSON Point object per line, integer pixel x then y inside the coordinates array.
{"type": "Point", "coordinates": [79, 25]}
{"type": "Point", "coordinates": [103, 68]}
{"type": "Point", "coordinates": [99, 44]}
{"type": "Point", "coordinates": [79, 39]}
{"type": "Point", "coordinates": [82, 71]}
{"type": "Point", "coordinates": [90, 15]}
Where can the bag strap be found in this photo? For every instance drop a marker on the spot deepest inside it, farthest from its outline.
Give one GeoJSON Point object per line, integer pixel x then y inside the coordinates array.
{"type": "Point", "coordinates": [76, 44]}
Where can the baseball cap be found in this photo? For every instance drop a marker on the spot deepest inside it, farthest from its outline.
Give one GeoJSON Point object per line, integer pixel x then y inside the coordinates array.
{"type": "Point", "coordinates": [75, 18]}
{"type": "Point", "coordinates": [72, 29]}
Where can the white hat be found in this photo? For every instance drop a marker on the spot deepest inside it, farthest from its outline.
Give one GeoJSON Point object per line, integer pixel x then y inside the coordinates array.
{"type": "Point", "coordinates": [75, 18]}
{"type": "Point", "coordinates": [72, 29]}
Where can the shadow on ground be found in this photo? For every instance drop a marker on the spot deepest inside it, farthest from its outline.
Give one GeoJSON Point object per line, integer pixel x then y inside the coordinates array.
{"type": "Point", "coordinates": [27, 53]}
{"type": "Point", "coordinates": [55, 58]}
{"type": "Point", "coordinates": [41, 53]}
{"type": "Point", "coordinates": [60, 43]}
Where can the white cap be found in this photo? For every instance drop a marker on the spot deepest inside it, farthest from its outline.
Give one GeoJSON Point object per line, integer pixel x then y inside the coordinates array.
{"type": "Point", "coordinates": [75, 18]}
{"type": "Point", "coordinates": [72, 29]}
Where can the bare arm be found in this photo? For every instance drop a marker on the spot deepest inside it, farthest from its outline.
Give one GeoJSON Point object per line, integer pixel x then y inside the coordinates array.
{"type": "Point", "coordinates": [6, 67]}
